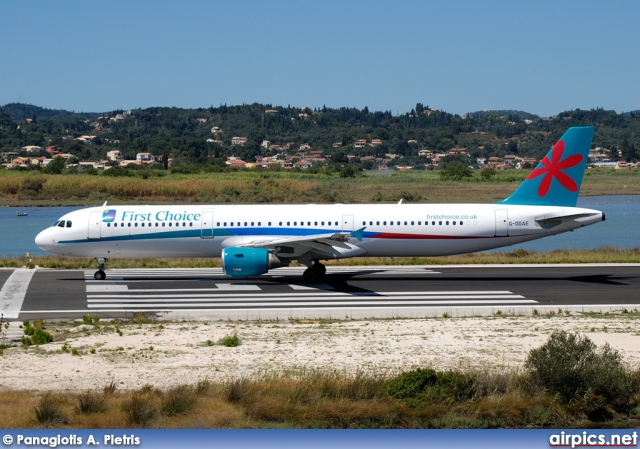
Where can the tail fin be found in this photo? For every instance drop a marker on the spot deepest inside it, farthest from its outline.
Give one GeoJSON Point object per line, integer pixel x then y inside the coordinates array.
{"type": "Point", "coordinates": [557, 179]}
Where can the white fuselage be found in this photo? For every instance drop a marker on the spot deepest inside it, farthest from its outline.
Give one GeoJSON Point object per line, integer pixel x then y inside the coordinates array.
{"type": "Point", "coordinates": [389, 230]}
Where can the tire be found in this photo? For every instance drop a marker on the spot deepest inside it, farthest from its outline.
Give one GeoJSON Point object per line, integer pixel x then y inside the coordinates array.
{"type": "Point", "coordinates": [99, 275]}
{"type": "Point", "coordinates": [320, 269]}
{"type": "Point", "coordinates": [310, 276]}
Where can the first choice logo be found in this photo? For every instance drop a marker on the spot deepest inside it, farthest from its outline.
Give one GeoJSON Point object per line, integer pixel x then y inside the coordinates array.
{"type": "Point", "coordinates": [163, 215]}
{"type": "Point", "coordinates": [108, 216]}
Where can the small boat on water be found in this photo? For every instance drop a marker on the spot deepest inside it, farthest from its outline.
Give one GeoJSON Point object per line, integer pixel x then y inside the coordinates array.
{"type": "Point", "coordinates": [21, 214]}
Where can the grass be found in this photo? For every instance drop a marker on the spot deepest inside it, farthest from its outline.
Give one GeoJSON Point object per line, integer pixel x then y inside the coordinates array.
{"type": "Point", "coordinates": [312, 399]}
{"type": "Point", "coordinates": [262, 187]}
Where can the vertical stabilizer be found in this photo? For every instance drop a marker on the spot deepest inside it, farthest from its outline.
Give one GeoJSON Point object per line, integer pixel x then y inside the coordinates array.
{"type": "Point", "coordinates": [557, 179]}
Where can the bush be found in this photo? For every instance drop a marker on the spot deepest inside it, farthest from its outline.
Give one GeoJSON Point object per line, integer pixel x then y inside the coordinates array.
{"type": "Point", "coordinates": [424, 385]}
{"type": "Point", "coordinates": [139, 410]}
{"type": "Point", "coordinates": [49, 410]}
{"type": "Point", "coordinates": [573, 368]}
{"type": "Point", "coordinates": [230, 341]}
{"type": "Point", "coordinates": [91, 403]}
{"type": "Point", "coordinates": [41, 337]}
{"type": "Point", "coordinates": [178, 400]}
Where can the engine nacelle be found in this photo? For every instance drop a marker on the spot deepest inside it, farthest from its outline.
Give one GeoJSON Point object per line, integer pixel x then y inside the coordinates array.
{"type": "Point", "coordinates": [243, 262]}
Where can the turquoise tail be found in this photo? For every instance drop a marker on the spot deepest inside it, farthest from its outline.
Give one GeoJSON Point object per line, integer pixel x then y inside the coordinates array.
{"type": "Point", "coordinates": [557, 179]}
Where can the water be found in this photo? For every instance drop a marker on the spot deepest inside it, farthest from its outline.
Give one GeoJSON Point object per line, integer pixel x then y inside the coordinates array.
{"type": "Point", "coordinates": [622, 227]}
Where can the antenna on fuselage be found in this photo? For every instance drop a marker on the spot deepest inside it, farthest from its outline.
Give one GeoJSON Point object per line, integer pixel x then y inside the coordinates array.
{"type": "Point", "coordinates": [105, 204]}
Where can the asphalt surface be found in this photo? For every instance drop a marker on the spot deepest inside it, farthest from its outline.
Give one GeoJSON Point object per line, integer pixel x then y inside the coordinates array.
{"type": "Point", "coordinates": [347, 292]}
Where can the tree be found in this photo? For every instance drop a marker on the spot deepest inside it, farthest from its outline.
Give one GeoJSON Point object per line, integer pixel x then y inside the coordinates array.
{"type": "Point", "coordinates": [456, 171]}
{"type": "Point", "coordinates": [56, 166]}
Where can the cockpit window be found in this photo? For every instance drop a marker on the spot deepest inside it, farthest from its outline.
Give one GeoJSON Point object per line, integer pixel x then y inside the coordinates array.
{"type": "Point", "coordinates": [68, 223]}
{"type": "Point", "coordinates": [61, 223]}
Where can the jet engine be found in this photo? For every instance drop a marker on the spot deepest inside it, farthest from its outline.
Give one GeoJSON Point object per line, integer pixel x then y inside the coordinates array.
{"type": "Point", "coordinates": [243, 262]}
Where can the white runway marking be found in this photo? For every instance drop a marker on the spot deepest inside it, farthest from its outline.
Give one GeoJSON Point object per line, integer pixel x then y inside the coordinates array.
{"type": "Point", "coordinates": [13, 292]}
{"type": "Point", "coordinates": [114, 295]}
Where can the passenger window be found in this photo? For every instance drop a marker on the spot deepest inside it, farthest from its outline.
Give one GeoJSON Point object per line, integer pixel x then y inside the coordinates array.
{"type": "Point", "coordinates": [419, 223]}
{"type": "Point", "coordinates": [136, 225]}
{"type": "Point", "coordinates": [288, 223]}
{"type": "Point", "coordinates": [191, 224]}
{"type": "Point", "coordinates": [447, 222]}
{"type": "Point", "coordinates": [461, 223]}
{"type": "Point", "coordinates": [384, 223]}
{"type": "Point", "coordinates": [156, 225]}
{"type": "Point", "coordinates": [433, 223]}
{"type": "Point", "coordinates": [295, 223]}
{"type": "Point", "coordinates": [245, 223]}
{"type": "Point", "coordinates": [163, 224]}
{"type": "Point", "coordinates": [122, 225]}
{"type": "Point", "coordinates": [440, 223]}
{"type": "Point", "coordinates": [108, 225]}
{"type": "Point", "coordinates": [377, 223]}
{"type": "Point", "coordinates": [170, 224]}
{"type": "Point", "coordinates": [412, 223]}
{"type": "Point", "coordinates": [129, 225]}
{"type": "Point", "coordinates": [454, 223]}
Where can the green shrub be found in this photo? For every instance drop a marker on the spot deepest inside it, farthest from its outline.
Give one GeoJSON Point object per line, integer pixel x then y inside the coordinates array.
{"type": "Point", "coordinates": [573, 368]}
{"type": "Point", "coordinates": [41, 337]}
{"type": "Point", "coordinates": [423, 385]}
{"type": "Point", "coordinates": [230, 341]}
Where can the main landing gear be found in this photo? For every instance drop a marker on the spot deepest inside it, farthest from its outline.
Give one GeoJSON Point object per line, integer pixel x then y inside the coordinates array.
{"type": "Point", "coordinates": [315, 273]}
{"type": "Point", "coordinates": [100, 274]}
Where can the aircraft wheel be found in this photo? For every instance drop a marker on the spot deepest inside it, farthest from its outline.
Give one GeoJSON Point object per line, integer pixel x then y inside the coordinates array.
{"type": "Point", "coordinates": [320, 269]}
{"type": "Point", "coordinates": [99, 275]}
{"type": "Point", "coordinates": [310, 276]}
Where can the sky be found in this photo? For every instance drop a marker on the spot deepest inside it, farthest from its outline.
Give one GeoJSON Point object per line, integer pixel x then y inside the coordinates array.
{"type": "Point", "coordinates": [543, 57]}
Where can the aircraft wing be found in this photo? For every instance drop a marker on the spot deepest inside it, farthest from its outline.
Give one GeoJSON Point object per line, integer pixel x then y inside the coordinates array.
{"type": "Point", "coordinates": [323, 245]}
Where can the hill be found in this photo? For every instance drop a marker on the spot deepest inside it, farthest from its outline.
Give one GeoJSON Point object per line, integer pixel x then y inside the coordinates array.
{"type": "Point", "coordinates": [204, 137]}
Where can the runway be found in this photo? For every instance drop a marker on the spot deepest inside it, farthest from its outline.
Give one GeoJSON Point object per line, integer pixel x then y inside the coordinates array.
{"type": "Point", "coordinates": [348, 292]}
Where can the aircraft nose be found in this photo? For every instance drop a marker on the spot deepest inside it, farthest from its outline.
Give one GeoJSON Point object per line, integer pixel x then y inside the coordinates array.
{"type": "Point", "coordinates": [44, 240]}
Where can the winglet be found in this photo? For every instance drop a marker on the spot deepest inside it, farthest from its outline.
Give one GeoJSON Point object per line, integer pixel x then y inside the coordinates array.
{"type": "Point", "coordinates": [358, 234]}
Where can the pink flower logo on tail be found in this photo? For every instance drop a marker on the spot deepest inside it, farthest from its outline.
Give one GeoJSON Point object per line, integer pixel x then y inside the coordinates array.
{"type": "Point", "coordinates": [554, 169]}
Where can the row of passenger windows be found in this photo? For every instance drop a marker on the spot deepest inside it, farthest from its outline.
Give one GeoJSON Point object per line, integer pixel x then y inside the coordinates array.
{"type": "Point", "coordinates": [232, 223]}
{"type": "Point", "coordinates": [135, 225]}
{"type": "Point", "coordinates": [281, 223]}
{"type": "Point", "coordinates": [413, 223]}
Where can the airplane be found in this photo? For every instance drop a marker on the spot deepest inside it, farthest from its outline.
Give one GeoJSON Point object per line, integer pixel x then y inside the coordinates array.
{"type": "Point", "coordinates": [253, 239]}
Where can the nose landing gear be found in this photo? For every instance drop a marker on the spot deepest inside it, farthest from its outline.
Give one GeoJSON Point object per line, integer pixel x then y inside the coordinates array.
{"type": "Point", "coordinates": [100, 275]}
